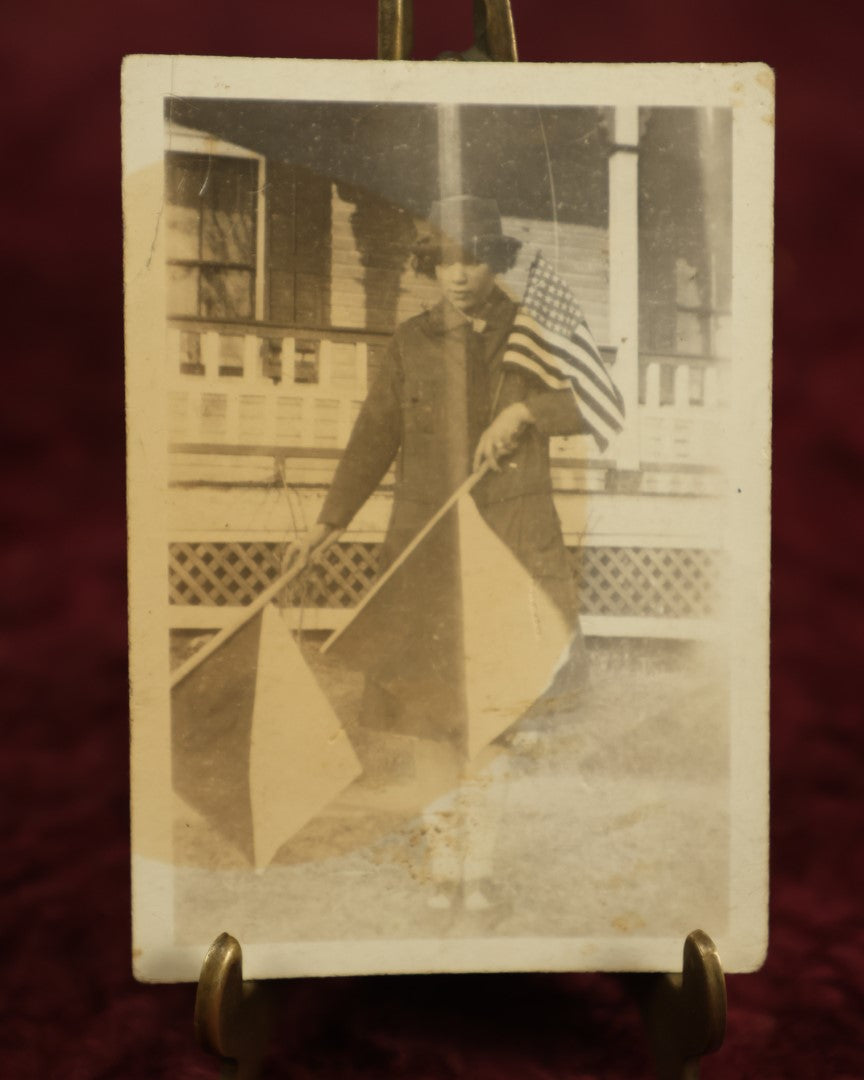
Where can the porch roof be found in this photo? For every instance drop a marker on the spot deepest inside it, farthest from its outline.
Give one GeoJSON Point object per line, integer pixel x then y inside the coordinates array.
{"type": "Point", "coordinates": [390, 150]}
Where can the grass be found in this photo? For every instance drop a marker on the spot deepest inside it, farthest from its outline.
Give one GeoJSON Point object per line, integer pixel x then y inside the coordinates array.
{"type": "Point", "coordinates": [610, 818]}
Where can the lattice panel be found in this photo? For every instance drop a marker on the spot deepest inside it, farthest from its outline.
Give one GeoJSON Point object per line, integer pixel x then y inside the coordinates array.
{"type": "Point", "coordinates": [220, 574]}
{"type": "Point", "coordinates": [341, 577]}
{"type": "Point", "coordinates": [660, 582]}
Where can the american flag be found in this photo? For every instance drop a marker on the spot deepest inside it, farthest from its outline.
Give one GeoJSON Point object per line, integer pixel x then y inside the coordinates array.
{"type": "Point", "coordinates": [551, 339]}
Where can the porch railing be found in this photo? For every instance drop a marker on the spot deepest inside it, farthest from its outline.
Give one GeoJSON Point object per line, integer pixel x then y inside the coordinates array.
{"type": "Point", "coordinates": [262, 385]}
{"type": "Point", "coordinates": [238, 385]}
{"type": "Point", "coordinates": [681, 403]}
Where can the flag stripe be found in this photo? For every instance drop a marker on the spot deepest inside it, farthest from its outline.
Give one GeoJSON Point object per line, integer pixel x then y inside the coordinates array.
{"type": "Point", "coordinates": [602, 420]}
{"type": "Point", "coordinates": [603, 403]}
{"type": "Point", "coordinates": [583, 341]}
{"type": "Point", "coordinates": [549, 373]}
{"type": "Point", "coordinates": [561, 341]}
{"type": "Point", "coordinates": [610, 418]}
{"type": "Point", "coordinates": [599, 378]}
{"type": "Point", "coordinates": [551, 339]}
{"type": "Point", "coordinates": [578, 335]}
{"type": "Point", "coordinates": [583, 336]}
{"type": "Point", "coordinates": [592, 409]}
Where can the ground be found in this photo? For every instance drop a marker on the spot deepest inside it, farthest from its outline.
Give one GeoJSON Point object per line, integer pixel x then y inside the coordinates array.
{"type": "Point", "coordinates": [612, 821]}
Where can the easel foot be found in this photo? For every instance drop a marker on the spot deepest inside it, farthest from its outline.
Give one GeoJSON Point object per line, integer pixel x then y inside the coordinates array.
{"type": "Point", "coordinates": [685, 1015]}
{"type": "Point", "coordinates": [232, 1017]}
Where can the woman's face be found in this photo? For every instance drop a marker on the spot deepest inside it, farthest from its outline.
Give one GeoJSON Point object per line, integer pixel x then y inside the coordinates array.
{"type": "Point", "coordinates": [464, 283]}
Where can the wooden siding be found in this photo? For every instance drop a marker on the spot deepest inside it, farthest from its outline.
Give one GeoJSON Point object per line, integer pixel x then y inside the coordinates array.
{"type": "Point", "coordinates": [362, 295]}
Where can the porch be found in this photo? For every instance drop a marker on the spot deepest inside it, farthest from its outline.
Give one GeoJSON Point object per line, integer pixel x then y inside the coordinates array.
{"type": "Point", "coordinates": [252, 391]}
{"type": "Point", "coordinates": [259, 415]}
{"type": "Point", "coordinates": [287, 278]}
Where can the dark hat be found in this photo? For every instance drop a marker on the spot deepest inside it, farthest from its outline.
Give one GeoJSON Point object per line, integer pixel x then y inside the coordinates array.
{"type": "Point", "coordinates": [467, 223]}
{"type": "Point", "coordinates": [465, 220]}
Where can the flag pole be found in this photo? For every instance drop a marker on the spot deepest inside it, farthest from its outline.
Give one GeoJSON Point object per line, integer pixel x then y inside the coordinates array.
{"type": "Point", "coordinates": [466, 486]}
{"type": "Point", "coordinates": [249, 613]}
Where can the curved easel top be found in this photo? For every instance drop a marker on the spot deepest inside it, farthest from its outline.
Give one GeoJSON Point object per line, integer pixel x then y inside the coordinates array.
{"type": "Point", "coordinates": [494, 34]}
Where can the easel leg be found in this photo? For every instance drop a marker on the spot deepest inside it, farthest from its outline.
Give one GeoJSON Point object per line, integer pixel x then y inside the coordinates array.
{"type": "Point", "coordinates": [232, 1018]}
{"type": "Point", "coordinates": [685, 1015]}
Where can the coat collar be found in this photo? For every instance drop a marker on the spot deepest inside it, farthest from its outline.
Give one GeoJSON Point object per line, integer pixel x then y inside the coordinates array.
{"type": "Point", "coordinates": [496, 313]}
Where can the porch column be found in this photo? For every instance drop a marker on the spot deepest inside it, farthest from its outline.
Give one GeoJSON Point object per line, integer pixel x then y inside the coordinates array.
{"type": "Point", "coordinates": [624, 274]}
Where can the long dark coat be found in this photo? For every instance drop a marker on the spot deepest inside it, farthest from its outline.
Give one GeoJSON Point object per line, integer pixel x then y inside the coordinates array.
{"type": "Point", "coordinates": [409, 416]}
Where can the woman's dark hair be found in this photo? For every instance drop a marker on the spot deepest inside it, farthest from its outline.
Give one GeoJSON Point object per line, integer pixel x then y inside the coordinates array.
{"type": "Point", "coordinates": [498, 252]}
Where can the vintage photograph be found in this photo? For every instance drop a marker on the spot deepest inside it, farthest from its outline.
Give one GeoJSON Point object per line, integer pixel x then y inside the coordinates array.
{"type": "Point", "coordinates": [449, 424]}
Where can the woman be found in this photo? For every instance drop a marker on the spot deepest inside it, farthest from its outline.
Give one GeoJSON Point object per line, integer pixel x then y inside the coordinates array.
{"type": "Point", "coordinates": [442, 406]}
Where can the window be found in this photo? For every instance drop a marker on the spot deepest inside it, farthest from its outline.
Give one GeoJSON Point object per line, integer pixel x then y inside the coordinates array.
{"type": "Point", "coordinates": [298, 250]}
{"type": "Point", "coordinates": [211, 230]}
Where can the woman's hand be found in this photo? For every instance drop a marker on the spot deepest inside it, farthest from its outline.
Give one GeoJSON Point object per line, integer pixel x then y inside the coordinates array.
{"type": "Point", "coordinates": [502, 436]}
{"type": "Point", "coordinates": [298, 552]}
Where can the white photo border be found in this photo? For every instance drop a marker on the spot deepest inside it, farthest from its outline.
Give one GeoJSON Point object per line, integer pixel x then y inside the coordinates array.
{"type": "Point", "coordinates": [748, 90]}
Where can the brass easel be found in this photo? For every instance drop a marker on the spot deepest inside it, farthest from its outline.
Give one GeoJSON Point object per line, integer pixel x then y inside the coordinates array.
{"type": "Point", "coordinates": [685, 1015]}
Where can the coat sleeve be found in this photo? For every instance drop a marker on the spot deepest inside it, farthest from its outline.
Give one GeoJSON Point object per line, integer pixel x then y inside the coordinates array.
{"type": "Point", "coordinates": [555, 412]}
{"type": "Point", "coordinates": [373, 445]}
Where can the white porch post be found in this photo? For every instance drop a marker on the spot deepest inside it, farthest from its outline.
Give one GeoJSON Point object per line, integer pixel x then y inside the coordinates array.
{"type": "Point", "coordinates": [624, 273]}
{"type": "Point", "coordinates": [261, 241]}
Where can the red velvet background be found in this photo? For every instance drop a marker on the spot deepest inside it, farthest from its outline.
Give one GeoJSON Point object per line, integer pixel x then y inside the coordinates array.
{"type": "Point", "coordinates": [69, 1005]}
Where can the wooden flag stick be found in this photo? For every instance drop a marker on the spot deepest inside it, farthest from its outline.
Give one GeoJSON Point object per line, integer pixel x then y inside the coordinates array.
{"type": "Point", "coordinates": [249, 613]}
{"type": "Point", "coordinates": [463, 489]}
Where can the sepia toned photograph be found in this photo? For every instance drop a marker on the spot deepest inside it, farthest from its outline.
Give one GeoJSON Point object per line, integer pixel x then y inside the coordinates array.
{"type": "Point", "coordinates": [449, 442]}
